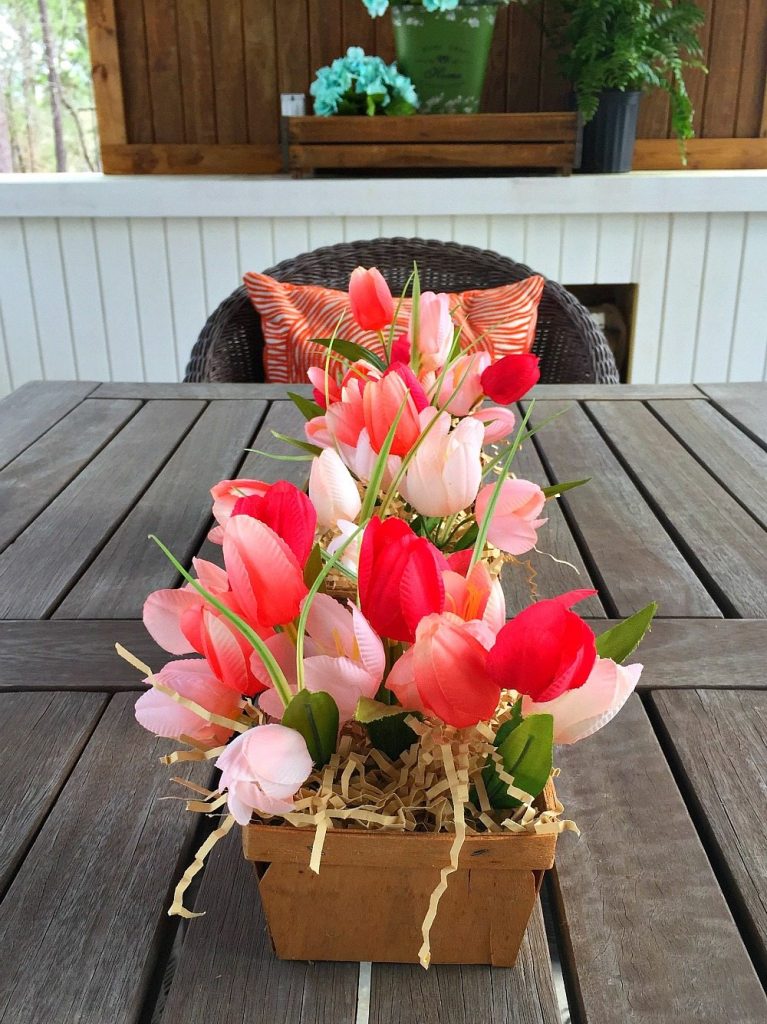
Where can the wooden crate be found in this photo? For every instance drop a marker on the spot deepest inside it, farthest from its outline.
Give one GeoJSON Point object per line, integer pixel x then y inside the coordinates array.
{"type": "Point", "coordinates": [424, 141]}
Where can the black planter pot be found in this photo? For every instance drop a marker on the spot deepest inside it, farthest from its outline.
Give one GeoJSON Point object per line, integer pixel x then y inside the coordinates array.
{"type": "Point", "coordinates": [608, 139]}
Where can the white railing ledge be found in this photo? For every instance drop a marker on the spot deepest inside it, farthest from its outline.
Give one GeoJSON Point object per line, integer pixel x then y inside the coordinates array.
{"type": "Point", "coordinates": [96, 195]}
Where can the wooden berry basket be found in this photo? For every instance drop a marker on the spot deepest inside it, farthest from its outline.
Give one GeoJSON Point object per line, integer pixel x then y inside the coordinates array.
{"type": "Point", "coordinates": [373, 888]}
{"type": "Point", "coordinates": [429, 141]}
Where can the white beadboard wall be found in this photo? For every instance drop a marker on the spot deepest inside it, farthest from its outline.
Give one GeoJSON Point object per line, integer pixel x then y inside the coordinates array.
{"type": "Point", "coordinates": [115, 283]}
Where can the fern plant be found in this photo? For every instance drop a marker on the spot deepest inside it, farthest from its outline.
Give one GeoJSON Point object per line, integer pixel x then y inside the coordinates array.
{"type": "Point", "coordinates": [630, 45]}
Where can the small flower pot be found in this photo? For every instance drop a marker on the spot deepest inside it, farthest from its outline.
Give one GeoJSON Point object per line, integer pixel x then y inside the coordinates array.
{"type": "Point", "coordinates": [445, 54]}
{"type": "Point", "coordinates": [372, 892]}
{"type": "Point", "coordinates": [608, 139]}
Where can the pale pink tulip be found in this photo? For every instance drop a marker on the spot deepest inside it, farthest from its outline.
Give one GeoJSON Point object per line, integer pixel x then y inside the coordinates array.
{"type": "Point", "coordinates": [266, 578]}
{"type": "Point", "coordinates": [515, 519]}
{"type": "Point", "coordinates": [498, 421]}
{"type": "Point", "coordinates": [582, 712]}
{"type": "Point", "coordinates": [193, 679]}
{"type": "Point", "coordinates": [463, 378]}
{"type": "Point", "coordinates": [262, 770]}
{"type": "Point", "coordinates": [445, 473]}
{"type": "Point", "coordinates": [476, 596]}
{"type": "Point", "coordinates": [351, 555]}
{"type": "Point", "coordinates": [361, 460]}
{"type": "Point", "coordinates": [227, 493]}
{"type": "Point", "coordinates": [317, 432]}
{"type": "Point", "coordinates": [344, 420]}
{"type": "Point", "coordinates": [332, 490]}
{"type": "Point", "coordinates": [435, 330]}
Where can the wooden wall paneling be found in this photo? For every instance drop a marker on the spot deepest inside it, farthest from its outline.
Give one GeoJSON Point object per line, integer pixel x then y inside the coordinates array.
{"type": "Point", "coordinates": [226, 38]}
{"type": "Point", "coordinates": [84, 302]}
{"type": "Point", "coordinates": [384, 39]}
{"type": "Point", "coordinates": [152, 282]}
{"type": "Point", "coordinates": [719, 295]}
{"type": "Point", "coordinates": [653, 116]}
{"type": "Point", "coordinates": [115, 256]}
{"type": "Point", "coordinates": [524, 59]}
{"type": "Point", "coordinates": [196, 66]}
{"type": "Point", "coordinates": [728, 26]}
{"type": "Point", "coordinates": [325, 33]}
{"type": "Point", "coordinates": [702, 154]}
{"type": "Point", "coordinates": [357, 27]}
{"type": "Point", "coordinates": [749, 339]}
{"type": "Point", "coordinates": [105, 70]}
{"type": "Point", "coordinates": [554, 91]}
{"type": "Point", "coordinates": [684, 273]}
{"type": "Point", "coordinates": [262, 92]}
{"type": "Point", "coordinates": [189, 308]}
{"type": "Point", "coordinates": [697, 81]}
{"type": "Point", "coordinates": [164, 70]}
{"type": "Point", "coordinates": [134, 73]}
{"type": "Point", "coordinates": [292, 45]}
{"type": "Point", "coordinates": [753, 77]}
{"type": "Point", "coordinates": [494, 98]}
{"type": "Point", "coordinates": [49, 298]}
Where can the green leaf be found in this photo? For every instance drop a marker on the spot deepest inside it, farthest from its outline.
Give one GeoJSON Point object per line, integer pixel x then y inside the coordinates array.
{"type": "Point", "coordinates": [315, 716]}
{"type": "Point", "coordinates": [620, 641]}
{"type": "Point", "coordinates": [510, 724]}
{"type": "Point", "coordinates": [399, 107]}
{"type": "Point", "coordinates": [467, 539]}
{"type": "Point", "coordinates": [306, 406]}
{"type": "Point", "coordinates": [313, 566]}
{"type": "Point", "coordinates": [556, 489]}
{"type": "Point", "coordinates": [369, 710]}
{"type": "Point", "coordinates": [351, 350]}
{"type": "Point", "coordinates": [314, 449]}
{"type": "Point", "coordinates": [392, 734]}
{"type": "Point", "coordinates": [415, 320]}
{"type": "Point", "coordinates": [527, 752]}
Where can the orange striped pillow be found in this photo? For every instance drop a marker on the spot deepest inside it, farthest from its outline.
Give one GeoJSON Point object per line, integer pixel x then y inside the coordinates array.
{"type": "Point", "coordinates": [500, 320]}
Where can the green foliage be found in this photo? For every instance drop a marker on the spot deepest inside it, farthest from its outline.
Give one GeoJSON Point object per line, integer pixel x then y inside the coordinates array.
{"type": "Point", "coordinates": [351, 350]}
{"type": "Point", "coordinates": [306, 406]}
{"type": "Point", "coordinates": [622, 640]}
{"type": "Point", "coordinates": [630, 45]}
{"type": "Point", "coordinates": [526, 746]}
{"type": "Point", "coordinates": [315, 716]}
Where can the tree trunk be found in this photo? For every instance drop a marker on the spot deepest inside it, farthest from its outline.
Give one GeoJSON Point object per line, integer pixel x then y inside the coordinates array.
{"type": "Point", "coordinates": [54, 87]}
{"type": "Point", "coordinates": [6, 154]}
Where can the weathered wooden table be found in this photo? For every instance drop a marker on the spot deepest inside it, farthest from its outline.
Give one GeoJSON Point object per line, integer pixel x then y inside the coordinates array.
{"type": "Point", "coordinates": [658, 913]}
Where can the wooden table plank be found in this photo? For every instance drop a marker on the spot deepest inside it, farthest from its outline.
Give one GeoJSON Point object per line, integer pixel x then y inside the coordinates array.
{"type": "Point", "coordinates": [719, 741]}
{"type": "Point", "coordinates": [27, 413]}
{"type": "Point", "coordinates": [555, 538]}
{"type": "Point", "coordinates": [737, 462]}
{"type": "Point", "coordinates": [202, 390]}
{"type": "Point", "coordinates": [227, 969]}
{"type": "Point", "coordinates": [176, 508]}
{"type": "Point", "coordinates": [55, 654]}
{"type": "Point", "coordinates": [83, 921]}
{"type": "Point", "coordinates": [746, 404]}
{"type": "Point", "coordinates": [635, 559]}
{"type": "Point", "coordinates": [41, 737]}
{"type": "Point", "coordinates": [612, 392]}
{"type": "Point", "coordinates": [727, 545]}
{"type": "Point", "coordinates": [650, 938]}
{"type": "Point", "coordinates": [470, 994]}
{"type": "Point", "coordinates": [43, 470]}
{"type": "Point", "coordinates": [38, 569]}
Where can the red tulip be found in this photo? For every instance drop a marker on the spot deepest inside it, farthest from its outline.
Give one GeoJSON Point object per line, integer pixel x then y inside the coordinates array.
{"type": "Point", "coordinates": [400, 579]}
{"type": "Point", "coordinates": [371, 300]}
{"type": "Point", "coordinates": [511, 378]}
{"type": "Point", "coordinates": [545, 650]}
{"type": "Point", "coordinates": [226, 650]}
{"type": "Point", "coordinates": [401, 349]}
{"type": "Point", "coordinates": [288, 512]}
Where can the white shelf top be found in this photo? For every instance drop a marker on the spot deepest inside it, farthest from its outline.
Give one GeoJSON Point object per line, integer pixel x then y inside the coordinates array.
{"type": "Point", "coordinates": [95, 195]}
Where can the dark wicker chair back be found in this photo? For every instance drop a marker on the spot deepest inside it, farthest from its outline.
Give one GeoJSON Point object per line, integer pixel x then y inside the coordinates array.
{"type": "Point", "coordinates": [571, 347]}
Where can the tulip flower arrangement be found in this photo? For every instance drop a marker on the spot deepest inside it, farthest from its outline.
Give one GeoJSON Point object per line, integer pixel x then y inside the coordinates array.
{"type": "Point", "coordinates": [352, 663]}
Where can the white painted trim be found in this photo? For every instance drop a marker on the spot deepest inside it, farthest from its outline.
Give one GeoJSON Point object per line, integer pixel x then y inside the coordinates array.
{"type": "Point", "coordinates": [648, 192]}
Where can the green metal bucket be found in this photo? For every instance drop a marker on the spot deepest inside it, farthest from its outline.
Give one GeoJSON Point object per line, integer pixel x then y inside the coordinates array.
{"type": "Point", "coordinates": [445, 54]}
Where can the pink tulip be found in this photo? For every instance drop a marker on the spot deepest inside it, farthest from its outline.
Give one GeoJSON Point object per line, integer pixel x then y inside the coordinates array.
{"type": "Point", "coordinates": [288, 512]}
{"type": "Point", "coordinates": [193, 679]}
{"type": "Point", "coordinates": [343, 657]}
{"type": "Point", "coordinates": [332, 490]}
{"type": "Point", "coordinates": [382, 401]}
{"type": "Point", "coordinates": [224, 647]}
{"type": "Point", "coordinates": [265, 575]}
{"type": "Point", "coordinates": [361, 460]}
{"type": "Point", "coordinates": [326, 387]}
{"type": "Point", "coordinates": [515, 519]}
{"type": "Point", "coordinates": [463, 378]}
{"type": "Point", "coordinates": [371, 300]}
{"type": "Point", "coordinates": [448, 667]}
{"type": "Point", "coordinates": [262, 770]}
{"type": "Point", "coordinates": [445, 473]}
{"type": "Point", "coordinates": [476, 596]}
{"type": "Point", "coordinates": [582, 712]}
{"type": "Point", "coordinates": [317, 432]}
{"type": "Point", "coordinates": [227, 493]}
{"type": "Point", "coordinates": [435, 330]}
{"type": "Point", "coordinates": [499, 422]}
{"type": "Point", "coordinates": [351, 554]}
{"type": "Point", "coordinates": [346, 419]}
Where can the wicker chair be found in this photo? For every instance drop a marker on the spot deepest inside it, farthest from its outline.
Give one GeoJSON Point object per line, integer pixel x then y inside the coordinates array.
{"type": "Point", "coordinates": [571, 348]}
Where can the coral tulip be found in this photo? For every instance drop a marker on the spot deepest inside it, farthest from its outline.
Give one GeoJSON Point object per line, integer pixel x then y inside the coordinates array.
{"type": "Point", "coordinates": [332, 490]}
{"type": "Point", "coordinates": [191, 678]}
{"type": "Point", "coordinates": [445, 473]}
{"type": "Point", "coordinates": [226, 650]}
{"type": "Point", "coordinates": [515, 517]}
{"type": "Point", "coordinates": [382, 401]}
{"type": "Point", "coordinates": [262, 770]}
{"type": "Point", "coordinates": [435, 331]}
{"type": "Point", "coordinates": [477, 595]}
{"type": "Point", "coordinates": [582, 712]}
{"type": "Point", "coordinates": [510, 378]}
{"type": "Point", "coordinates": [545, 650]}
{"type": "Point", "coordinates": [288, 512]}
{"type": "Point", "coordinates": [461, 386]}
{"type": "Point", "coordinates": [266, 577]}
{"type": "Point", "coordinates": [371, 300]}
{"type": "Point", "coordinates": [400, 578]}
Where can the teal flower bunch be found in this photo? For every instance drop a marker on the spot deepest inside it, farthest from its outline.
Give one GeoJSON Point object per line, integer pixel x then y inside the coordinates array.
{"type": "Point", "coordinates": [358, 84]}
{"type": "Point", "coordinates": [378, 7]}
